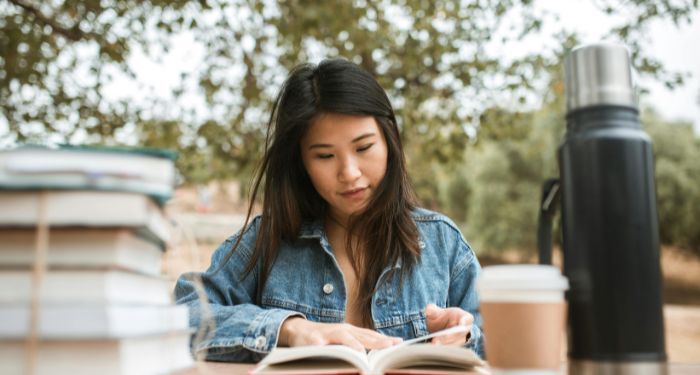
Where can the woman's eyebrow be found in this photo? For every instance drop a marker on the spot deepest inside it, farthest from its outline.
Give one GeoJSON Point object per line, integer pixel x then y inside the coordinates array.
{"type": "Point", "coordinates": [361, 137]}
{"type": "Point", "coordinates": [319, 145]}
{"type": "Point", "coordinates": [356, 139]}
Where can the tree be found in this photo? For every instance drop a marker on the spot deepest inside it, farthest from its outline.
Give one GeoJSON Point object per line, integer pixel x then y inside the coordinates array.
{"type": "Point", "coordinates": [442, 62]}
{"type": "Point", "coordinates": [57, 56]}
{"type": "Point", "coordinates": [503, 173]}
{"type": "Point", "coordinates": [676, 151]}
{"type": "Point", "coordinates": [515, 155]}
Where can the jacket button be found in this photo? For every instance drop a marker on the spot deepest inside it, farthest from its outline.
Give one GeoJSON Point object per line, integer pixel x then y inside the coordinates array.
{"type": "Point", "coordinates": [260, 342]}
{"type": "Point", "coordinates": [328, 288]}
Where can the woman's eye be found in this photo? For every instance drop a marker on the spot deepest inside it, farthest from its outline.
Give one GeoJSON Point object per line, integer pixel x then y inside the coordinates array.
{"type": "Point", "coordinates": [324, 156]}
{"type": "Point", "coordinates": [365, 147]}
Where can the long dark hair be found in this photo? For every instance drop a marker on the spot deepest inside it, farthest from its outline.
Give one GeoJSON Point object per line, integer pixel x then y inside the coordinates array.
{"type": "Point", "coordinates": [385, 228]}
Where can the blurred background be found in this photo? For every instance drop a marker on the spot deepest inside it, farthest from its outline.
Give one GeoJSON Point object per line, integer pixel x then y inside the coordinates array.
{"type": "Point", "coordinates": [477, 87]}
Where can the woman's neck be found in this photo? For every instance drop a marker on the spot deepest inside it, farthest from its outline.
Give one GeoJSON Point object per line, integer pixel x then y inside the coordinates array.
{"type": "Point", "coordinates": [337, 232]}
{"type": "Point", "coordinates": [335, 222]}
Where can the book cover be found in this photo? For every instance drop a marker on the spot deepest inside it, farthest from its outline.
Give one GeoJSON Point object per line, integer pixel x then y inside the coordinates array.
{"type": "Point", "coordinates": [82, 248]}
{"type": "Point", "coordinates": [85, 287]}
{"type": "Point", "coordinates": [86, 208]}
{"type": "Point", "coordinates": [154, 354]}
{"type": "Point", "coordinates": [78, 321]}
{"type": "Point", "coordinates": [146, 171]}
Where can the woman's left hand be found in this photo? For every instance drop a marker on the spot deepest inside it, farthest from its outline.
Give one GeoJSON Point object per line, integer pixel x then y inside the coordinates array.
{"type": "Point", "coordinates": [438, 319]}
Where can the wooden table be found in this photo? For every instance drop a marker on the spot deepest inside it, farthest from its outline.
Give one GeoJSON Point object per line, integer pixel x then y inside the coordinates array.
{"type": "Point", "coordinates": [218, 368]}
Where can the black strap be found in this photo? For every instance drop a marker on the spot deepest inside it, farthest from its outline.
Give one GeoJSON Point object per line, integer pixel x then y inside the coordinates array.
{"type": "Point", "coordinates": [548, 206]}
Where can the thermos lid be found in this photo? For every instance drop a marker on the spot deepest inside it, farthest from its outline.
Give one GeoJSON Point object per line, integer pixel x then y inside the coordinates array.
{"type": "Point", "coordinates": [599, 74]}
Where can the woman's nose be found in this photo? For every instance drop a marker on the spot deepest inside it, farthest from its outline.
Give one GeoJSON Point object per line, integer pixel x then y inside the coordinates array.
{"type": "Point", "coordinates": [349, 170]}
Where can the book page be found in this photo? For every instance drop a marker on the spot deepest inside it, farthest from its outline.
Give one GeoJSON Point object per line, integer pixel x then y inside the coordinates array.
{"type": "Point", "coordinates": [430, 336]}
{"type": "Point", "coordinates": [444, 332]}
{"type": "Point", "coordinates": [424, 355]}
{"type": "Point", "coordinates": [280, 356]}
{"type": "Point", "coordinates": [415, 352]}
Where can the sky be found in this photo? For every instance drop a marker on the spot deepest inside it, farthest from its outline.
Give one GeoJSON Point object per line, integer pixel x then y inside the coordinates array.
{"type": "Point", "coordinates": [677, 47]}
{"type": "Point", "coordinates": [679, 50]}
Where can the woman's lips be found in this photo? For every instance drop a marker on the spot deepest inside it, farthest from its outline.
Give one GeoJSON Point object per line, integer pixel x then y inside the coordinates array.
{"type": "Point", "coordinates": [354, 193]}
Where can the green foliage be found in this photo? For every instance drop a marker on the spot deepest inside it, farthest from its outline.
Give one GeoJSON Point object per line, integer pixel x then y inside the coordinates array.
{"type": "Point", "coordinates": [502, 176]}
{"type": "Point", "coordinates": [507, 169]}
{"type": "Point", "coordinates": [676, 152]}
{"type": "Point", "coordinates": [56, 56]}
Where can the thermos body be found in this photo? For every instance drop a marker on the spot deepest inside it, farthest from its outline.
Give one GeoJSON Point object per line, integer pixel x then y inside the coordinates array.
{"type": "Point", "coordinates": [610, 236]}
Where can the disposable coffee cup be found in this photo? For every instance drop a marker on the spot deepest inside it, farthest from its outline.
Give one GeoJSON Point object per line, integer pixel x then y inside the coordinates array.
{"type": "Point", "coordinates": [524, 312]}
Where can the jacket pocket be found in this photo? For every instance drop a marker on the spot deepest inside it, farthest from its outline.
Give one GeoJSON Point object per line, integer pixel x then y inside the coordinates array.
{"type": "Point", "coordinates": [406, 327]}
{"type": "Point", "coordinates": [420, 327]}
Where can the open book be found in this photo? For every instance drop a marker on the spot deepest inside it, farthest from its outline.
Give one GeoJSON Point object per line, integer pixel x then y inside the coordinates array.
{"type": "Point", "coordinates": [408, 357]}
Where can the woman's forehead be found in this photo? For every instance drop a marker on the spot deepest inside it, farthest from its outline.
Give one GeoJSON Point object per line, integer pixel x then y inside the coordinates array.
{"type": "Point", "coordinates": [334, 127]}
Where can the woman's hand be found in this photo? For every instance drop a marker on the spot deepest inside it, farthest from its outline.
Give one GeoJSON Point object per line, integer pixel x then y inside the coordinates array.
{"type": "Point", "coordinates": [438, 319]}
{"type": "Point", "coordinates": [298, 331]}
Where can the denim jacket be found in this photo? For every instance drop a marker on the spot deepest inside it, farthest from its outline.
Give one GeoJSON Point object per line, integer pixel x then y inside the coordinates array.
{"type": "Point", "coordinates": [305, 280]}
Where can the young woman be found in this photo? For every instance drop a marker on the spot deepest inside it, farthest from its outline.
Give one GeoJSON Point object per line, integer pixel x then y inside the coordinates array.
{"type": "Point", "coordinates": [340, 253]}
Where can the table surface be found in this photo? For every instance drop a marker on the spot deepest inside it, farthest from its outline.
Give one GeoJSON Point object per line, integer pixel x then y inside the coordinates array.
{"type": "Point", "coordinates": [216, 368]}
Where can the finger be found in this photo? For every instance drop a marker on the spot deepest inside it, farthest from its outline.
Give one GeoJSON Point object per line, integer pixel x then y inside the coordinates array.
{"type": "Point", "coordinates": [376, 335]}
{"type": "Point", "coordinates": [348, 339]}
{"type": "Point", "coordinates": [313, 338]}
{"type": "Point", "coordinates": [433, 312]}
{"type": "Point", "coordinates": [436, 319]}
{"type": "Point", "coordinates": [457, 316]}
{"type": "Point", "coordinates": [466, 320]}
{"type": "Point", "coordinates": [375, 340]}
{"type": "Point", "coordinates": [378, 342]}
{"type": "Point", "coordinates": [369, 338]}
{"type": "Point", "coordinates": [453, 339]}
{"type": "Point", "coordinates": [431, 309]}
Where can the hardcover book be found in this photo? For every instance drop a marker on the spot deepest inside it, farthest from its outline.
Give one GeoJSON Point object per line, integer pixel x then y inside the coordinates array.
{"type": "Point", "coordinates": [64, 321]}
{"type": "Point", "coordinates": [82, 248]}
{"type": "Point", "coordinates": [153, 354]}
{"type": "Point", "coordinates": [139, 170]}
{"type": "Point", "coordinates": [86, 208]}
{"type": "Point", "coordinates": [75, 287]}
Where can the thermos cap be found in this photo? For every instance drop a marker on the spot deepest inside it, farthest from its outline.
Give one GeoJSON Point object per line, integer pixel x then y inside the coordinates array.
{"type": "Point", "coordinates": [599, 74]}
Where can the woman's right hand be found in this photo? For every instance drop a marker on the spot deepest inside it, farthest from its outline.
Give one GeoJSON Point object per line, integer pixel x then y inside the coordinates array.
{"type": "Point", "coordinates": [297, 331]}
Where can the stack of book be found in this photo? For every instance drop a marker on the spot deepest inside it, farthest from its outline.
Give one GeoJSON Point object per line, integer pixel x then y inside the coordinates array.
{"type": "Point", "coordinates": [82, 235]}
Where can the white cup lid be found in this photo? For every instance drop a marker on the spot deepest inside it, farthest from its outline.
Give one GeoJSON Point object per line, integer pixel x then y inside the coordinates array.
{"type": "Point", "coordinates": [522, 277]}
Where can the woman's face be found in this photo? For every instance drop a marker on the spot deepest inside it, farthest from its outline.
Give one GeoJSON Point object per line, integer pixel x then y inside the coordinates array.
{"type": "Point", "coordinates": [346, 158]}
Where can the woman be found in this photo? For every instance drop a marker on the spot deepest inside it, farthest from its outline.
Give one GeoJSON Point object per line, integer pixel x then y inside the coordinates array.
{"type": "Point", "coordinates": [340, 253]}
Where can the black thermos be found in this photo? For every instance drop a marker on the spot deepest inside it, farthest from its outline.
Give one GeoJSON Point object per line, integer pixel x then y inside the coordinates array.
{"type": "Point", "coordinates": [609, 220]}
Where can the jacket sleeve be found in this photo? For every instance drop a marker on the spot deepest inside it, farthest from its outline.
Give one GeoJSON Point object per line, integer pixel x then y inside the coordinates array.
{"type": "Point", "coordinates": [463, 292]}
{"type": "Point", "coordinates": [228, 325]}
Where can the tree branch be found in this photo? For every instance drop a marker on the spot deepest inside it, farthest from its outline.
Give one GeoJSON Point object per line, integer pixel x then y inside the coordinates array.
{"type": "Point", "coordinates": [74, 33]}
